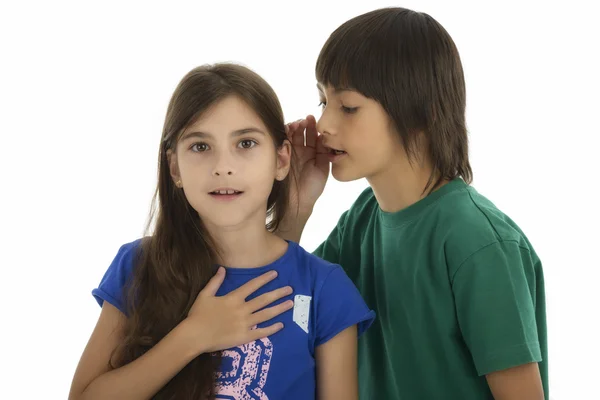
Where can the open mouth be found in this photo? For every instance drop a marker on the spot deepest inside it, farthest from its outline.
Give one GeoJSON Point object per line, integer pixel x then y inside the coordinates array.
{"type": "Point", "coordinates": [333, 151]}
{"type": "Point", "coordinates": [225, 194]}
{"type": "Point", "coordinates": [334, 154]}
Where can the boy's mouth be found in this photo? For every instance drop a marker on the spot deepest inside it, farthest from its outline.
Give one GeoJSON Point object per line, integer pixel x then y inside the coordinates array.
{"type": "Point", "coordinates": [336, 152]}
{"type": "Point", "coordinates": [335, 155]}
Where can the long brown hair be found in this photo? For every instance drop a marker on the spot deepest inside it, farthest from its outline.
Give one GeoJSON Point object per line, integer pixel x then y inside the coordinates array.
{"type": "Point", "coordinates": [406, 61]}
{"type": "Point", "coordinates": [177, 260]}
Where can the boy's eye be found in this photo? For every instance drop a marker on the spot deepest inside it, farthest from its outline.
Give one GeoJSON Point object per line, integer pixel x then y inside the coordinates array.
{"type": "Point", "coordinates": [322, 104]}
{"type": "Point", "coordinates": [247, 144]}
{"type": "Point", "coordinates": [199, 147]}
{"type": "Point", "coordinates": [349, 110]}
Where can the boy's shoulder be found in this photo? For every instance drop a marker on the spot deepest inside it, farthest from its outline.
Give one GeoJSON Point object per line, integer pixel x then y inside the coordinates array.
{"type": "Point", "coordinates": [466, 211]}
{"type": "Point", "coordinates": [467, 221]}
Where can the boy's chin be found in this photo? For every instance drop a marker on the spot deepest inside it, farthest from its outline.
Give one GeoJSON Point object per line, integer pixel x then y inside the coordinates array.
{"type": "Point", "coordinates": [345, 174]}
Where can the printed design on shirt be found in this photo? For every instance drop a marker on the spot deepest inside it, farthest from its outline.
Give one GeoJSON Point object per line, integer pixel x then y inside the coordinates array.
{"type": "Point", "coordinates": [302, 311]}
{"type": "Point", "coordinates": [244, 371]}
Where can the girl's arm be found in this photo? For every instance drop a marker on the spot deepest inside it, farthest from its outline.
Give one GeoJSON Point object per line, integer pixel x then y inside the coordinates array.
{"type": "Point", "coordinates": [337, 370]}
{"type": "Point", "coordinates": [522, 382]}
{"type": "Point", "coordinates": [213, 323]}
{"type": "Point", "coordinates": [140, 379]}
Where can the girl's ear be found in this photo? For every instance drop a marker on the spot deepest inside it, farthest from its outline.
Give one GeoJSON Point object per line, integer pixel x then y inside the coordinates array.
{"type": "Point", "coordinates": [174, 167]}
{"type": "Point", "coordinates": [284, 159]}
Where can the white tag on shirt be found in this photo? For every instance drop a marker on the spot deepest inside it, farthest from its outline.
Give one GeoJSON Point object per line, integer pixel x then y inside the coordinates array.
{"type": "Point", "coordinates": [302, 311]}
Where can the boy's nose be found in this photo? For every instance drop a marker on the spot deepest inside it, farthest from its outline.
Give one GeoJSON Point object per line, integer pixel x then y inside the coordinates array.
{"type": "Point", "coordinates": [325, 126]}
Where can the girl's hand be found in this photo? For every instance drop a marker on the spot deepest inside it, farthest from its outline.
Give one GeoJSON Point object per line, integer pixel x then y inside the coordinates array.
{"type": "Point", "coordinates": [218, 323]}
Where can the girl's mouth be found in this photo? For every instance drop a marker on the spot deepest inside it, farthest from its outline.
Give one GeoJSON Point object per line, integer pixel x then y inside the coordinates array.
{"type": "Point", "coordinates": [225, 194]}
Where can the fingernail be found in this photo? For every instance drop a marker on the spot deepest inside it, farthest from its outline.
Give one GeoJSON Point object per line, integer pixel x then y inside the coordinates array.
{"type": "Point", "coordinates": [290, 303]}
{"type": "Point", "coordinates": [272, 274]}
{"type": "Point", "coordinates": [289, 290]}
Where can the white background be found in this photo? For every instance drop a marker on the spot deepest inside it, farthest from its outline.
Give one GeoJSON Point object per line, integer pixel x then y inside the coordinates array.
{"type": "Point", "coordinates": [84, 90]}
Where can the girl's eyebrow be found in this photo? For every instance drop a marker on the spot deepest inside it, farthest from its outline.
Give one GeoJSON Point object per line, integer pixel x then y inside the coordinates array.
{"type": "Point", "coordinates": [237, 132]}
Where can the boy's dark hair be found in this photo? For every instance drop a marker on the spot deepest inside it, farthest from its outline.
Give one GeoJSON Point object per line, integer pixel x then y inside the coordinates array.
{"type": "Point", "coordinates": [406, 61]}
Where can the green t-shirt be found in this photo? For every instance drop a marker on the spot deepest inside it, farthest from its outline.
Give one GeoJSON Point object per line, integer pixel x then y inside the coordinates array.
{"type": "Point", "coordinates": [457, 288]}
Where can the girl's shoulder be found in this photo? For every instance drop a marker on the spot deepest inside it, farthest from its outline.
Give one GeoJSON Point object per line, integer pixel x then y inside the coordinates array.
{"type": "Point", "coordinates": [317, 272]}
{"type": "Point", "coordinates": [118, 274]}
{"type": "Point", "coordinates": [311, 263]}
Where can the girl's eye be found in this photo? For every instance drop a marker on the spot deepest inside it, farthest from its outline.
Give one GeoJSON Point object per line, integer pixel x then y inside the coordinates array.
{"type": "Point", "coordinates": [199, 147]}
{"type": "Point", "coordinates": [247, 144]}
{"type": "Point", "coordinates": [349, 110]}
{"type": "Point", "coordinates": [322, 104]}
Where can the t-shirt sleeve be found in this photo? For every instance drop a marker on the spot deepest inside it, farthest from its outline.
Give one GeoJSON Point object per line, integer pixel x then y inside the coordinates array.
{"type": "Point", "coordinates": [339, 305]}
{"type": "Point", "coordinates": [330, 249]}
{"type": "Point", "coordinates": [494, 291]}
{"type": "Point", "coordinates": [111, 288]}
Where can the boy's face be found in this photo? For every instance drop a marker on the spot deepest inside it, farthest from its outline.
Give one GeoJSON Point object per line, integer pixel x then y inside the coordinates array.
{"type": "Point", "coordinates": [227, 163]}
{"type": "Point", "coordinates": [359, 134]}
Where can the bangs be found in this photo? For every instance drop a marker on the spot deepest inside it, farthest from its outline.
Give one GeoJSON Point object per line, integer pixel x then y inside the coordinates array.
{"type": "Point", "coordinates": [350, 62]}
{"type": "Point", "coordinates": [358, 54]}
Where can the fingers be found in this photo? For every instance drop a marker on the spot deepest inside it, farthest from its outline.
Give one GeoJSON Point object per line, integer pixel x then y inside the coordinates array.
{"type": "Point", "coordinates": [214, 284]}
{"type": "Point", "coordinates": [262, 333]}
{"type": "Point", "coordinates": [252, 286]}
{"type": "Point", "coordinates": [270, 313]}
{"type": "Point", "coordinates": [296, 131]}
{"type": "Point", "coordinates": [322, 157]}
{"type": "Point", "coordinates": [311, 131]}
{"type": "Point", "coordinates": [265, 299]}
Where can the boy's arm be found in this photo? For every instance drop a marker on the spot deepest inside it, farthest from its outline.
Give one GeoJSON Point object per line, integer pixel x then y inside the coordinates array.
{"type": "Point", "coordinates": [337, 370]}
{"type": "Point", "coordinates": [501, 318]}
{"type": "Point", "coordinates": [522, 382]}
{"type": "Point", "coordinates": [307, 177]}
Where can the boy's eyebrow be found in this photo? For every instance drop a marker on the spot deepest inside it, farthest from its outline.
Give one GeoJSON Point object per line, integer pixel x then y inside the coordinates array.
{"type": "Point", "coordinates": [336, 90]}
{"type": "Point", "coordinates": [237, 132]}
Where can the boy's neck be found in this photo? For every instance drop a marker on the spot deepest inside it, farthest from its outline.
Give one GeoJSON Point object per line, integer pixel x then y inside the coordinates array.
{"type": "Point", "coordinates": [402, 185]}
{"type": "Point", "coordinates": [249, 245]}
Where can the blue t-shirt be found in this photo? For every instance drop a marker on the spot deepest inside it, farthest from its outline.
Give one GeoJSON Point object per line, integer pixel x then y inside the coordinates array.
{"type": "Point", "coordinates": [281, 366]}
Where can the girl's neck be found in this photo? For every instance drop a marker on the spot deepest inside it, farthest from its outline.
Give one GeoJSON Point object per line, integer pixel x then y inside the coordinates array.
{"type": "Point", "coordinates": [249, 245]}
{"type": "Point", "coordinates": [402, 184]}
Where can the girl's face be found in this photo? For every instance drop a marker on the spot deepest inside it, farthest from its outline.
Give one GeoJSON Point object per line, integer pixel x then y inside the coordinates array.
{"type": "Point", "coordinates": [227, 163]}
{"type": "Point", "coordinates": [358, 132]}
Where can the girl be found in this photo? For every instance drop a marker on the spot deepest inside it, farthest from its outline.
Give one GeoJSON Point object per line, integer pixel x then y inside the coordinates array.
{"type": "Point", "coordinates": [170, 328]}
{"type": "Point", "coordinates": [457, 285]}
